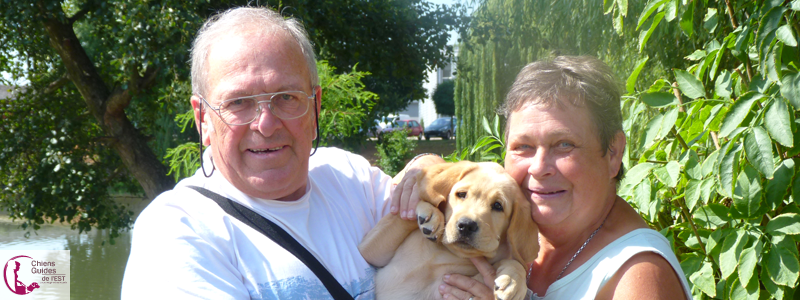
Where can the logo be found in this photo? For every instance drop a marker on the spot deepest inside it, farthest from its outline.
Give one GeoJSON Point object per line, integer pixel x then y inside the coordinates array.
{"type": "Point", "coordinates": [31, 272]}
{"type": "Point", "coordinates": [11, 275]}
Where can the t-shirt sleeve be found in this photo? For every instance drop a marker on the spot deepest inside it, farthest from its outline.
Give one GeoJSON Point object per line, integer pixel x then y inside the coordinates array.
{"type": "Point", "coordinates": [173, 257]}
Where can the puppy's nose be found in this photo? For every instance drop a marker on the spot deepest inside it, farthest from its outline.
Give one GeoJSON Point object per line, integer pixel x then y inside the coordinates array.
{"type": "Point", "coordinates": [466, 226]}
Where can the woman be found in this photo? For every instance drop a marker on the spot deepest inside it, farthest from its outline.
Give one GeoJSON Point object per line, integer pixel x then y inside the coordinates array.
{"type": "Point", "coordinates": [565, 145]}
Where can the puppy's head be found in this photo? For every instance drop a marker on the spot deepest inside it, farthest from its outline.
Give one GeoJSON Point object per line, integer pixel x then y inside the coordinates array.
{"type": "Point", "coordinates": [485, 212]}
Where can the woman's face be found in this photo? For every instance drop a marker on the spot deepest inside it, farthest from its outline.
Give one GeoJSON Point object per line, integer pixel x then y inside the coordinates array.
{"type": "Point", "coordinates": [555, 156]}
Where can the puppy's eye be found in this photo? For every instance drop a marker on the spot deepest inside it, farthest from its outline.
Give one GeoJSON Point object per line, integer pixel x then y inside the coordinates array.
{"type": "Point", "coordinates": [497, 206]}
{"type": "Point", "coordinates": [461, 195]}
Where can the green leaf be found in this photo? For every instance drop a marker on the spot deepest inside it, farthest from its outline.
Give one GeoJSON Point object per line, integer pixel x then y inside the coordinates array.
{"type": "Point", "coordinates": [726, 170]}
{"type": "Point", "coordinates": [648, 10]}
{"type": "Point", "coordinates": [769, 285]}
{"type": "Point", "coordinates": [704, 280]}
{"type": "Point", "coordinates": [744, 290]}
{"type": "Point", "coordinates": [706, 188]}
{"type": "Point", "coordinates": [731, 250]}
{"type": "Point", "coordinates": [689, 85]}
{"type": "Point", "coordinates": [653, 127]}
{"type": "Point", "coordinates": [659, 99]}
{"type": "Point", "coordinates": [642, 195]}
{"type": "Point", "coordinates": [738, 112]}
{"type": "Point", "coordinates": [722, 86]}
{"type": "Point", "coordinates": [785, 224]}
{"type": "Point", "coordinates": [790, 88]}
{"type": "Point", "coordinates": [714, 215]}
{"type": "Point", "coordinates": [692, 193]}
{"type": "Point", "coordinates": [631, 83]}
{"type": "Point", "coordinates": [608, 5]}
{"type": "Point", "coordinates": [796, 189]}
{"type": "Point", "coordinates": [785, 35]}
{"type": "Point", "coordinates": [777, 188]}
{"type": "Point", "coordinates": [747, 264]}
{"type": "Point", "coordinates": [668, 122]}
{"type": "Point", "coordinates": [747, 193]}
{"type": "Point", "coordinates": [623, 7]}
{"type": "Point", "coordinates": [687, 21]}
{"type": "Point", "coordinates": [758, 148]}
{"type": "Point", "coordinates": [710, 163]}
{"type": "Point", "coordinates": [692, 166]}
{"type": "Point", "coordinates": [669, 174]}
{"type": "Point", "coordinates": [639, 172]}
{"type": "Point", "coordinates": [645, 35]}
{"type": "Point", "coordinates": [778, 122]}
{"type": "Point", "coordinates": [782, 266]}
{"type": "Point", "coordinates": [486, 127]}
{"type": "Point", "coordinates": [671, 10]}
{"type": "Point", "coordinates": [696, 55]}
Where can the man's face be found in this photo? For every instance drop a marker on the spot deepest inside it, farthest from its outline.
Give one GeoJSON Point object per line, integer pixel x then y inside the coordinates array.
{"type": "Point", "coordinates": [269, 157]}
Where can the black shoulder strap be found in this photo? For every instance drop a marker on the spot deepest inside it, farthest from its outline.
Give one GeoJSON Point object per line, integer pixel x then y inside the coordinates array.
{"type": "Point", "coordinates": [280, 237]}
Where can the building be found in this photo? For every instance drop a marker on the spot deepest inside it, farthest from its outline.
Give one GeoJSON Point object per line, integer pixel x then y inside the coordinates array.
{"type": "Point", "coordinates": [425, 111]}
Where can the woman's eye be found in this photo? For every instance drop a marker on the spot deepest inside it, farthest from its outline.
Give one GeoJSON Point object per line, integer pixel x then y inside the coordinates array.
{"type": "Point", "coordinates": [565, 145]}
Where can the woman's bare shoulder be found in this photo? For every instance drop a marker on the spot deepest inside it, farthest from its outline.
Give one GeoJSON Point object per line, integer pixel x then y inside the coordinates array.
{"type": "Point", "coordinates": [646, 275]}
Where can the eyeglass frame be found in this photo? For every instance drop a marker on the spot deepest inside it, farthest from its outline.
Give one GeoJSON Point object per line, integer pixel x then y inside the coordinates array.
{"type": "Point", "coordinates": [312, 97]}
{"type": "Point", "coordinates": [258, 113]}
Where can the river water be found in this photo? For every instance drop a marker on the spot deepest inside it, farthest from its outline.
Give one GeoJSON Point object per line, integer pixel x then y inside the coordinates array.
{"type": "Point", "coordinates": [96, 267]}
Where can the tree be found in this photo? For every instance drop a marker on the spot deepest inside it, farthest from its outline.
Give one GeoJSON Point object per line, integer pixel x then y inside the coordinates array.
{"type": "Point", "coordinates": [443, 98]}
{"type": "Point", "coordinates": [102, 81]}
{"type": "Point", "coordinates": [710, 116]}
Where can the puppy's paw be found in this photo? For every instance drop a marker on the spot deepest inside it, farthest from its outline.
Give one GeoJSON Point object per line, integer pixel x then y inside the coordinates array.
{"type": "Point", "coordinates": [430, 220]}
{"type": "Point", "coordinates": [510, 283]}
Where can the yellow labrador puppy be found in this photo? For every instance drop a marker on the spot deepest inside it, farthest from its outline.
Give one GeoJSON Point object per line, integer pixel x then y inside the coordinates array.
{"type": "Point", "coordinates": [466, 210]}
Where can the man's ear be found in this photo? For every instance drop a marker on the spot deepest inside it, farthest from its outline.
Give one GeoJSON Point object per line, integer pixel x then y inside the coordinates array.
{"type": "Point", "coordinates": [207, 127]}
{"type": "Point", "coordinates": [616, 151]}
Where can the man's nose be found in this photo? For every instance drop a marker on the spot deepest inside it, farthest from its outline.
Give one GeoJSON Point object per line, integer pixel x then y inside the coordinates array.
{"type": "Point", "coordinates": [266, 121]}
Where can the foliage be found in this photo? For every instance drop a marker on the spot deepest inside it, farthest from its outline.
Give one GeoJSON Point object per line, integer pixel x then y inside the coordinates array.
{"type": "Point", "coordinates": [105, 79]}
{"type": "Point", "coordinates": [394, 150]}
{"type": "Point", "coordinates": [343, 97]}
{"type": "Point", "coordinates": [713, 142]}
{"type": "Point", "coordinates": [344, 105]}
{"type": "Point", "coordinates": [443, 98]}
{"type": "Point", "coordinates": [395, 41]}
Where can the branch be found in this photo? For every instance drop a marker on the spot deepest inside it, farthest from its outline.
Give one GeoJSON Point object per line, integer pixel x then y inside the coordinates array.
{"type": "Point", "coordinates": [55, 85]}
{"type": "Point", "coordinates": [678, 95]}
{"type": "Point", "coordinates": [121, 97]}
{"type": "Point", "coordinates": [680, 139]}
{"type": "Point", "coordinates": [77, 16]}
{"type": "Point", "coordinates": [715, 139]}
{"type": "Point", "coordinates": [730, 14]}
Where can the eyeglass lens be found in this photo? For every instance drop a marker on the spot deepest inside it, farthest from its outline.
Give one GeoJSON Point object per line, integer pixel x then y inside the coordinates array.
{"type": "Point", "coordinates": [287, 105]}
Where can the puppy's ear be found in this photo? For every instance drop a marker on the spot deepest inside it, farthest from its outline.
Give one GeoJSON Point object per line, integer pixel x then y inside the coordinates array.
{"type": "Point", "coordinates": [436, 181]}
{"type": "Point", "coordinates": [522, 232]}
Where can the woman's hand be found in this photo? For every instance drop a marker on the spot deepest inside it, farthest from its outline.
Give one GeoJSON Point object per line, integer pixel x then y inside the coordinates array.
{"type": "Point", "coordinates": [406, 195]}
{"type": "Point", "coordinates": [461, 287]}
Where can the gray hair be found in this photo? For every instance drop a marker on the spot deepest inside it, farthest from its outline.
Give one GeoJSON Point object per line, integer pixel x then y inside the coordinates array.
{"type": "Point", "coordinates": [582, 81]}
{"type": "Point", "coordinates": [238, 20]}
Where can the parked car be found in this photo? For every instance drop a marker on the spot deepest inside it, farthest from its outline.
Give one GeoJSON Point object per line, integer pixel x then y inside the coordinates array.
{"type": "Point", "coordinates": [441, 127]}
{"type": "Point", "coordinates": [413, 127]}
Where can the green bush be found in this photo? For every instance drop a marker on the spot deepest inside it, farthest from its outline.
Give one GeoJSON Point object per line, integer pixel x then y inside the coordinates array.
{"type": "Point", "coordinates": [394, 149]}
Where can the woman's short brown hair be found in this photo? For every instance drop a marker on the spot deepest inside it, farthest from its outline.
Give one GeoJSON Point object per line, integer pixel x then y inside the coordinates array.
{"type": "Point", "coordinates": [583, 81]}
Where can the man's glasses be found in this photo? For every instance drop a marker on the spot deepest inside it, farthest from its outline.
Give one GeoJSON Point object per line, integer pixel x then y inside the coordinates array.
{"type": "Point", "coordinates": [244, 110]}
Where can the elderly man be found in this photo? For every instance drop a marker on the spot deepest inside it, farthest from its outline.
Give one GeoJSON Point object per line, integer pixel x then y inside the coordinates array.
{"type": "Point", "coordinates": [256, 100]}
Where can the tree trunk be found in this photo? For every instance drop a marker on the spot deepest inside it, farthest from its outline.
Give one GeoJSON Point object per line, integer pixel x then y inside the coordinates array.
{"type": "Point", "coordinates": [108, 108]}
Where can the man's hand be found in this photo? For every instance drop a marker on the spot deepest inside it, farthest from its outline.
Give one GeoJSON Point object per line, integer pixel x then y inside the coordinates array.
{"type": "Point", "coordinates": [406, 195]}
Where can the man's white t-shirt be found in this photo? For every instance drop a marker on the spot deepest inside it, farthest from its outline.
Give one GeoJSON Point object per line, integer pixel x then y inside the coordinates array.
{"type": "Point", "coordinates": [184, 245]}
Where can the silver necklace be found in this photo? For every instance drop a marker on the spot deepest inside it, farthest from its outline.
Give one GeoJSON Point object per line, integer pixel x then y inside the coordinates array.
{"type": "Point", "coordinates": [579, 250]}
